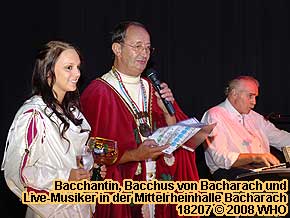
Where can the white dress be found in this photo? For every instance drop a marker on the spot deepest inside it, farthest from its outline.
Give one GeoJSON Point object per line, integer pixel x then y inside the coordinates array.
{"type": "Point", "coordinates": [35, 155]}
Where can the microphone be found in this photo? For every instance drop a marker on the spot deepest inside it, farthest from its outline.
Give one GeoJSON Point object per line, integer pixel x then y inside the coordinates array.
{"type": "Point", "coordinates": [151, 75]}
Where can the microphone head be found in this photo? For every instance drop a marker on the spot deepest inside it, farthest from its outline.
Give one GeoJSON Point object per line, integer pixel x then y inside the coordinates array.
{"type": "Point", "coordinates": [152, 75]}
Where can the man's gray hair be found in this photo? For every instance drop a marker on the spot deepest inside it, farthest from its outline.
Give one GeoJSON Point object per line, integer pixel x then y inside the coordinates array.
{"type": "Point", "coordinates": [235, 83]}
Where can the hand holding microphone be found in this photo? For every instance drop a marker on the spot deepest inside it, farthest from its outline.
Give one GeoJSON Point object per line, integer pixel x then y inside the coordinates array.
{"type": "Point", "coordinates": [152, 76]}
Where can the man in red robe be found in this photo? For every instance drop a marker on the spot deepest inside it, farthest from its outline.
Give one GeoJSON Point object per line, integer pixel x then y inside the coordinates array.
{"type": "Point", "coordinates": [123, 106]}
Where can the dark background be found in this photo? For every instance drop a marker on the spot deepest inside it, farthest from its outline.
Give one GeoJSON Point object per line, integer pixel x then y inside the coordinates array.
{"type": "Point", "coordinates": [200, 45]}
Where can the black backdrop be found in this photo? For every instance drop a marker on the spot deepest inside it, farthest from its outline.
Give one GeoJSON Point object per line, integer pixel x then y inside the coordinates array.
{"type": "Point", "coordinates": [200, 45]}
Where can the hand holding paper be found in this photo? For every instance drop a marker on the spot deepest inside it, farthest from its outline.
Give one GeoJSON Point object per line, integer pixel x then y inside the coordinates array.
{"type": "Point", "coordinates": [176, 135]}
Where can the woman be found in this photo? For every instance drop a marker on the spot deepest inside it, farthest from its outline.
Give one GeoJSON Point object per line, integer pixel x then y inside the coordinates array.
{"type": "Point", "coordinates": [48, 132]}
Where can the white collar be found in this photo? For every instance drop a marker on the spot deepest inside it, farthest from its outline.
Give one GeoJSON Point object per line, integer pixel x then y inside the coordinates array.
{"type": "Point", "coordinates": [232, 109]}
{"type": "Point", "coordinates": [126, 79]}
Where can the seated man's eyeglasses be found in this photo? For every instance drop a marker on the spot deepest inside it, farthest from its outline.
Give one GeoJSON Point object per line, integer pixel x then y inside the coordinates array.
{"type": "Point", "coordinates": [139, 47]}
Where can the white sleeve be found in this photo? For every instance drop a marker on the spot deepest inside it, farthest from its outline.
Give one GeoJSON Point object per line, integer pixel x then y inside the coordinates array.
{"type": "Point", "coordinates": [36, 171]}
{"type": "Point", "coordinates": [277, 138]}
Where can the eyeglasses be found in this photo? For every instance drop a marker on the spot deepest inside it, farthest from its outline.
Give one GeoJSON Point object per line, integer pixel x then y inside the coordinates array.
{"type": "Point", "coordinates": [140, 48]}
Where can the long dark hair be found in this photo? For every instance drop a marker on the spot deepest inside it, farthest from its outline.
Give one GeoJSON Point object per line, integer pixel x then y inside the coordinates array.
{"type": "Point", "coordinates": [44, 69]}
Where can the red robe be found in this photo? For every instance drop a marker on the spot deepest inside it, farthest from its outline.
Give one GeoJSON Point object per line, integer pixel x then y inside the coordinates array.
{"type": "Point", "coordinates": [110, 118]}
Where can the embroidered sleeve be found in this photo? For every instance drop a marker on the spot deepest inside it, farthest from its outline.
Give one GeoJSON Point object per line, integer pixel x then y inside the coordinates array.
{"type": "Point", "coordinates": [34, 137]}
{"type": "Point", "coordinates": [41, 163]}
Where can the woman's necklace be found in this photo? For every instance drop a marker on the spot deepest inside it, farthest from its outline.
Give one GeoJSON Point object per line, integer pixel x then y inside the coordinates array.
{"type": "Point", "coordinates": [141, 116]}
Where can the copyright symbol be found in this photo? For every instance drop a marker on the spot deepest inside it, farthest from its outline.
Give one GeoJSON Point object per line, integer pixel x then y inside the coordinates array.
{"type": "Point", "coordinates": [219, 210]}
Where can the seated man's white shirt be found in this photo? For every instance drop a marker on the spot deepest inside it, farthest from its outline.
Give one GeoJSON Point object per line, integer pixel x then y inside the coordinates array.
{"type": "Point", "coordinates": [233, 135]}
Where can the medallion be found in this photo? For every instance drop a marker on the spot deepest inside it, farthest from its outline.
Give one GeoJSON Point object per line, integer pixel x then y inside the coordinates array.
{"type": "Point", "coordinates": [145, 129]}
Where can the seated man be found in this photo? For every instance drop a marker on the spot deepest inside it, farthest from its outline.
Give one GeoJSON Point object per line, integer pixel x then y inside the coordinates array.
{"type": "Point", "coordinates": [241, 136]}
